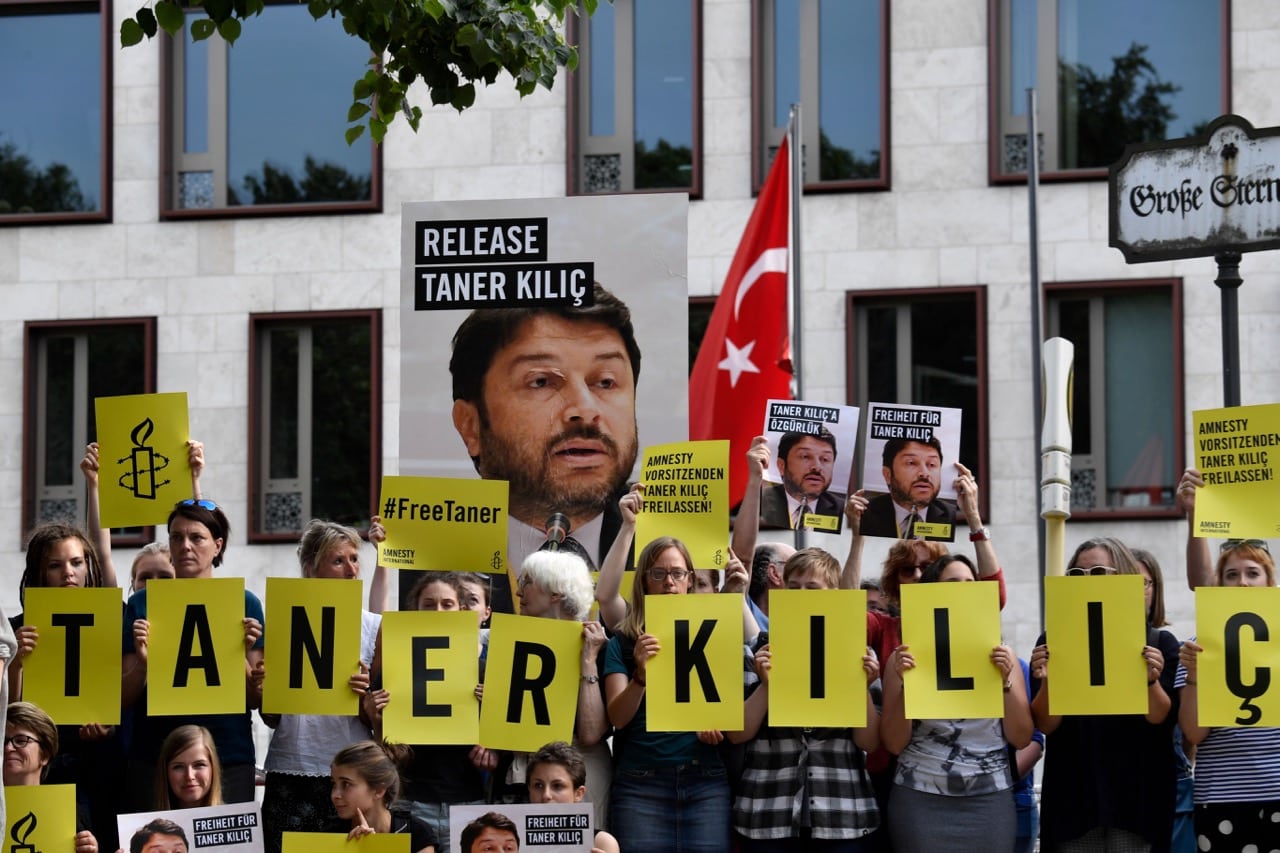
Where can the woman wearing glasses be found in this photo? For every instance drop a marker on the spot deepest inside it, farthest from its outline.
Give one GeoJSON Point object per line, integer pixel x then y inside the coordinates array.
{"type": "Point", "coordinates": [1109, 780]}
{"type": "Point", "coordinates": [30, 743]}
{"type": "Point", "coordinates": [1237, 779]}
{"type": "Point", "coordinates": [670, 791]}
{"type": "Point", "coordinates": [198, 532]}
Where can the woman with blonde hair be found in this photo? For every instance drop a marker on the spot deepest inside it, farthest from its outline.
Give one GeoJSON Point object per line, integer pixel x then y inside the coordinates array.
{"type": "Point", "coordinates": [188, 774]}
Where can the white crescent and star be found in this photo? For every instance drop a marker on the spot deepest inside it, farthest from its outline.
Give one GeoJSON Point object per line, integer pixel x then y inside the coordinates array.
{"type": "Point", "coordinates": [737, 359]}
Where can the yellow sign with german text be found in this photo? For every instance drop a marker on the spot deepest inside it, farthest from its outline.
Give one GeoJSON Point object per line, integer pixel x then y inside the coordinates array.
{"type": "Point", "coordinates": [686, 495]}
{"type": "Point", "coordinates": [197, 655]}
{"type": "Point", "coordinates": [143, 468]}
{"type": "Point", "coordinates": [695, 680]}
{"type": "Point", "coordinates": [1095, 630]}
{"type": "Point", "coordinates": [537, 703]}
{"type": "Point", "coordinates": [40, 818]}
{"type": "Point", "coordinates": [444, 523]}
{"type": "Point", "coordinates": [431, 666]}
{"type": "Point", "coordinates": [1238, 454]}
{"type": "Point", "coordinates": [74, 672]}
{"type": "Point", "coordinates": [314, 646]}
{"type": "Point", "coordinates": [817, 677]}
{"type": "Point", "coordinates": [952, 629]}
{"type": "Point", "coordinates": [1239, 630]}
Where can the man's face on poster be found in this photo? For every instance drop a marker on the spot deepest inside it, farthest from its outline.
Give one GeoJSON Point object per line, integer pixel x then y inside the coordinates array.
{"type": "Point", "coordinates": [491, 840]}
{"type": "Point", "coordinates": [806, 470]}
{"type": "Point", "coordinates": [557, 418]}
{"type": "Point", "coordinates": [916, 475]}
{"type": "Point", "coordinates": [161, 843]}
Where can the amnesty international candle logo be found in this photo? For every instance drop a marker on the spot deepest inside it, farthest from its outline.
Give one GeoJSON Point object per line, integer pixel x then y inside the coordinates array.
{"type": "Point", "coordinates": [143, 457]}
{"type": "Point", "coordinates": [20, 833]}
{"type": "Point", "coordinates": [142, 464]}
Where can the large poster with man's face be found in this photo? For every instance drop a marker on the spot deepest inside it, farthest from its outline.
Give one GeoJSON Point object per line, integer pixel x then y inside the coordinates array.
{"type": "Point", "coordinates": [524, 325]}
{"type": "Point", "coordinates": [909, 471]}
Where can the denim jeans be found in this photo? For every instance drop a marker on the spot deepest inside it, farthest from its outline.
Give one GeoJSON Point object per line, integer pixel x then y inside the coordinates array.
{"type": "Point", "coordinates": [671, 809]}
{"type": "Point", "coordinates": [436, 816]}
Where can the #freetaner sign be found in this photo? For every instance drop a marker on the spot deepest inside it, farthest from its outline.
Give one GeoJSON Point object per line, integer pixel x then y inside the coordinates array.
{"type": "Point", "coordinates": [1198, 196]}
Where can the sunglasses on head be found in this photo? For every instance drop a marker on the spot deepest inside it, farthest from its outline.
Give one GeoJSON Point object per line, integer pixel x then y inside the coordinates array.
{"type": "Point", "coordinates": [1228, 544]}
{"type": "Point", "coordinates": [203, 504]}
{"type": "Point", "coordinates": [1079, 571]}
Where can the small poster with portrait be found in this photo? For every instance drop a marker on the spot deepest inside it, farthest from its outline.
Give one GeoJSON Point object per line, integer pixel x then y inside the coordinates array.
{"type": "Point", "coordinates": [231, 828]}
{"type": "Point", "coordinates": [909, 472]}
{"type": "Point", "coordinates": [811, 464]}
{"type": "Point", "coordinates": [564, 827]}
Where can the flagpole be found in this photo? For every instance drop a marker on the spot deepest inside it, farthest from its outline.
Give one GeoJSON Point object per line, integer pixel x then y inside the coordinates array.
{"type": "Point", "coordinates": [795, 183]}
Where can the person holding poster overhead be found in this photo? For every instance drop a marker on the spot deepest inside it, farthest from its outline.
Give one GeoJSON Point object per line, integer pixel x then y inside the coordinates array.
{"type": "Point", "coordinates": [805, 789]}
{"type": "Point", "coordinates": [1237, 774]}
{"type": "Point", "coordinates": [198, 532]}
{"type": "Point", "coordinates": [954, 772]}
{"type": "Point", "coordinates": [297, 764]}
{"type": "Point", "coordinates": [1109, 779]}
{"type": "Point", "coordinates": [670, 790]}
{"type": "Point", "coordinates": [30, 743]}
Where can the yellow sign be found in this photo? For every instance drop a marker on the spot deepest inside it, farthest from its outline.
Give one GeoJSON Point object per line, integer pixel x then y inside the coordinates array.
{"type": "Point", "coordinates": [695, 680]}
{"type": "Point", "coordinates": [1238, 453]}
{"type": "Point", "coordinates": [314, 646]}
{"type": "Point", "coordinates": [817, 677]}
{"type": "Point", "coordinates": [537, 704]}
{"type": "Point", "coordinates": [74, 673]}
{"type": "Point", "coordinates": [40, 818]}
{"type": "Point", "coordinates": [336, 842]}
{"type": "Point", "coordinates": [142, 455]}
{"type": "Point", "coordinates": [686, 495]}
{"type": "Point", "coordinates": [196, 655]}
{"type": "Point", "coordinates": [431, 666]}
{"type": "Point", "coordinates": [1239, 630]}
{"type": "Point", "coordinates": [444, 523]}
{"type": "Point", "coordinates": [951, 629]}
{"type": "Point", "coordinates": [1096, 628]}
{"type": "Point", "coordinates": [933, 530]}
{"type": "Point", "coordinates": [818, 521]}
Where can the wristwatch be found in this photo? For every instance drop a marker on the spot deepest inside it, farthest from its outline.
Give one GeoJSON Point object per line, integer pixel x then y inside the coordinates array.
{"type": "Point", "coordinates": [982, 534]}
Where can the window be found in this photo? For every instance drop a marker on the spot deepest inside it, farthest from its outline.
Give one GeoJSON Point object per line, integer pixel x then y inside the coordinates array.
{"type": "Point", "coordinates": [1106, 74]}
{"type": "Point", "coordinates": [55, 153]}
{"type": "Point", "coordinates": [833, 57]}
{"type": "Point", "coordinates": [700, 308]}
{"type": "Point", "coordinates": [1126, 431]}
{"type": "Point", "coordinates": [240, 145]}
{"type": "Point", "coordinates": [924, 348]}
{"type": "Point", "coordinates": [315, 434]}
{"type": "Point", "coordinates": [68, 364]}
{"type": "Point", "coordinates": [634, 122]}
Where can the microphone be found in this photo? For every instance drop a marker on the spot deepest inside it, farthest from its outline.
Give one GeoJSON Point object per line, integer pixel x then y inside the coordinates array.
{"type": "Point", "coordinates": [557, 530]}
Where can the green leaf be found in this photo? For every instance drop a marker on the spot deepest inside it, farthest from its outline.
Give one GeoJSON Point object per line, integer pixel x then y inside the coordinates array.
{"type": "Point", "coordinates": [468, 35]}
{"type": "Point", "coordinates": [147, 20]}
{"type": "Point", "coordinates": [169, 16]}
{"type": "Point", "coordinates": [358, 111]}
{"type": "Point", "coordinates": [363, 88]}
{"type": "Point", "coordinates": [229, 30]}
{"type": "Point", "coordinates": [377, 129]}
{"type": "Point", "coordinates": [318, 8]}
{"type": "Point", "coordinates": [354, 133]}
{"type": "Point", "coordinates": [130, 32]}
{"type": "Point", "coordinates": [433, 8]}
{"type": "Point", "coordinates": [202, 28]}
{"type": "Point", "coordinates": [464, 97]}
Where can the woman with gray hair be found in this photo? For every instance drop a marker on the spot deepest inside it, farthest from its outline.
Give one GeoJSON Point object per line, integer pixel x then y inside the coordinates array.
{"type": "Point", "coordinates": [557, 585]}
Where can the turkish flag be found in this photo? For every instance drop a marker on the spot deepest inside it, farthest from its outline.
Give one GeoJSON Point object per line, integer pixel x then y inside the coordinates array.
{"type": "Point", "coordinates": [745, 357]}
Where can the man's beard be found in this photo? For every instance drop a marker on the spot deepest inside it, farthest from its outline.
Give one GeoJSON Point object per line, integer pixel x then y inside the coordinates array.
{"type": "Point", "coordinates": [797, 488]}
{"type": "Point", "coordinates": [535, 493]}
{"type": "Point", "coordinates": [903, 497]}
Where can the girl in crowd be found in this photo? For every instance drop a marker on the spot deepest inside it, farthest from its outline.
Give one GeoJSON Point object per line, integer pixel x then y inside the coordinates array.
{"type": "Point", "coordinates": [198, 532]}
{"type": "Point", "coordinates": [150, 563]}
{"type": "Point", "coordinates": [954, 772]}
{"type": "Point", "coordinates": [366, 783]}
{"type": "Point", "coordinates": [1237, 779]}
{"type": "Point", "coordinates": [1109, 780]}
{"type": "Point", "coordinates": [188, 775]}
{"type": "Point", "coordinates": [297, 765]}
{"type": "Point", "coordinates": [805, 788]}
{"type": "Point", "coordinates": [30, 743]}
{"type": "Point", "coordinates": [670, 790]}
{"type": "Point", "coordinates": [557, 774]}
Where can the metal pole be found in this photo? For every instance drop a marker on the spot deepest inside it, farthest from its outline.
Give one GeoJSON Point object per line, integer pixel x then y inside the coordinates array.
{"type": "Point", "coordinates": [796, 184]}
{"type": "Point", "coordinates": [1229, 282]}
{"type": "Point", "coordinates": [1037, 334]}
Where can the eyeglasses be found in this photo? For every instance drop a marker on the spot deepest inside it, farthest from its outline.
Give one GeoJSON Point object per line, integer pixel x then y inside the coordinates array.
{"type": "Point", "coordinates": [911, 571]}
{"type": "Point", "coordinates": [1228, 544]}
{"type": "Point", "coordinates": [1148, 583]}
{"type": "Point", "coordinates": [1079, 571]}
{"type": "Point", "coordinates": [660, 575]}
{"type": "Point", "coordinates": [203, 504]}
{"type": "Point", "coordinates": [19, 741]}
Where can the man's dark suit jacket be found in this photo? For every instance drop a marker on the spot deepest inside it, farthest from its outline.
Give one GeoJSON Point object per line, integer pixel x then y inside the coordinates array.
{"type": "Point", "coordinates": [880, 519]}
{"type": "Point", "coordinates": [773, 505]}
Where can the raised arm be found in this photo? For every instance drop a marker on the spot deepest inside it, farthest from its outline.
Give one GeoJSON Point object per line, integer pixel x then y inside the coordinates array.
{"type": "Point", "coordinates": [1018, 725]}
{"type": "Point", "coordinates": [747, 525]}
{"type": "Point", "coordinates": [1045, 722]}
{"type": "Point", "coordinates": [89, 466]}
{"type": "Point", "coordinates": [984, 550]}
{"type": "Point", "coordinates": [593, 722]}
{"type": "Point", "coordinates": [624, 691]}
{"type": "Point", "coordinates": [757, 704]}
{"type": "Point", "coordinates": [1199, 560]}
{"type": "Point", "coordinates": [895, 728]}
{"type": "Point", "coordinates": [737, 581]}
{"type": "Point", "coordinates": [195, 458]}
{"type": "Point", "coordinates": [609, 585]}
{"type": "Point", "coordinates": [854, 507]}
{"type": "Point", "coordinates": [378, 584]}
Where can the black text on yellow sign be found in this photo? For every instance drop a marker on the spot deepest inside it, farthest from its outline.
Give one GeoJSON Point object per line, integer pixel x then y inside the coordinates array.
{"type": "Point", "coordinates": [1239, 630]}
{"type": "Point", "coordinates": [817, 677]}
{"type": "Point", "coordinates": [74, 672]}
{"type": "Point", "coordinates": [951, 629]}
{"type": "Point", "coordinates": [197, 654]}
{"type": "Point", "coordinates": [444, 523]}
{"type": "Point", "coordinates": [695, 681]}
{"type": "Point", "coordinates": [314, 646]}
{"type": "Point", "coordinates": [1095, 629]}
{"type": "Point", "coordinates": [537, 703]}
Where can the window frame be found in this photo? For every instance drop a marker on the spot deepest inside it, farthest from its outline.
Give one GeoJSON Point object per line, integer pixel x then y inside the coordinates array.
{"type": "Point", "coordinates": [999, 104]}
{"type": "Point", "coordinates": [32, 423]}
{"type": "Point", "coordinates": [259, 435]}
{"type": "Point", "coordinates": [577, 112]}
{"type": "Point", "coordinates": [171, 121]}
{"type": "Point", "coordinates": [1103, 287]}
{"type": "Point", "coordinates": [855, 370]}
{"type": "Point", "coordinates": [105, 89]}
{"type": "Point", "coordinates": [765, 141]}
